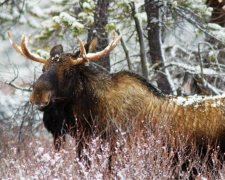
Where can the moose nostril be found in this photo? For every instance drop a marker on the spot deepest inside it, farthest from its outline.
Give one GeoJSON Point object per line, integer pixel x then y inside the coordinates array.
{"type": "Point", "coordinates": [41, 105]}
{"type": "Point", "coordinates": [45, 103]}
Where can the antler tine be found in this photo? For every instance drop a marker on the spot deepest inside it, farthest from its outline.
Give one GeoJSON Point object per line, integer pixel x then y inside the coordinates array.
{"type": "Point", "coordinates": [113, 35]}
{"type": "Point", "coordinates": [82, 50]}
{"type": "Point", "coordinates": [14, 45]}
{"type": "Point", "coordinates": [23, 50]}
{"type": "Point", "coordinates": [82, 58]}
{"type": "Point", "coordinates": [100, 54]}
{"type": "Point", "coordinates": [27, 53]}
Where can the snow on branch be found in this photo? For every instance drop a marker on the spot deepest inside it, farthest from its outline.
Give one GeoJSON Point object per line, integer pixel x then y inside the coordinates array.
{"type": "Point", "coordinates": [192, 18]}
{"type": "Point", "coordinates": [65, 18]}
{"type": "Point", "coordinates": [4, 2]}
{"type": "Point", "coordinates": [194, 69]}
{"type": "Point", "coordinates": [212, 88]}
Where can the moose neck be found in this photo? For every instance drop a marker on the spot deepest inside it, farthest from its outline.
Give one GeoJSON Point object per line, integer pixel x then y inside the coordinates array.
{"type": "Point", "coordinates": [89, 81]}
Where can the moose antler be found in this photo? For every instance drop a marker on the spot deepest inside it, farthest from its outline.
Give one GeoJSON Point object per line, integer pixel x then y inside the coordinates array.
{"type": "Point", "coordinates": [23, 50]}
{"type": "Point", "coordinates": [95, 56]}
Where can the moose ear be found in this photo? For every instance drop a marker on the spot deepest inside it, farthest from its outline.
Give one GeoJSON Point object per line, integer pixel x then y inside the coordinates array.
{"type": "Point", "coordinates": [56, 50]}
{"type": "Point", "coordinates": [90, 46]}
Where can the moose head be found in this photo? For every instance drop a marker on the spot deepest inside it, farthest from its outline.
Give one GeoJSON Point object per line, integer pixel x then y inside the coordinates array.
{"type": "Point", "coordinates": [54, 84]}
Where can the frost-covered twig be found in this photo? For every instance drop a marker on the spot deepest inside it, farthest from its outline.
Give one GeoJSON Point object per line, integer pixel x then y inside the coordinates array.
{"type": "Point", "coordinates": [200, 61]}
{"type": "Point", "coordinates": [191, 18]}
{"type": "Point", "coordinates": [205, 83]}
{"type": "Point", "coordinates": [212, 48]}
{"type": "Point", "coordinates": [193, 69]}
{"type": "Point", "coordinates": [212, 88]}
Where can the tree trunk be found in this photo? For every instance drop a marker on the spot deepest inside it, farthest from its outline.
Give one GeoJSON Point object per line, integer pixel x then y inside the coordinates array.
{"type": "Point", "coordinates": [141, 41]}
{"type": "Point", "coordinates": [154, 41]}
{"type": "Point", "coordinates": [98, 29]}
{"type": "Point", "coordinates": [218, 13]}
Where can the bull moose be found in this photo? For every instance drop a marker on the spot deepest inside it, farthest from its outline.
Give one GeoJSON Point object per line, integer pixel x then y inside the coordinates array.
{"type": "Point", "coordinates": [76, 94]}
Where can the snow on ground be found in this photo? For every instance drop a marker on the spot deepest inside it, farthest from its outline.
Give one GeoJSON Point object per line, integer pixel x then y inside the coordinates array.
{"type": "Point", "coordinates": [146, 158]}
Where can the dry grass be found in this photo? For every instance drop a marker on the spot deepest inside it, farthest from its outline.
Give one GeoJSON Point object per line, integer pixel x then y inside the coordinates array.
{"type": "Point", "coordinates": [145, 156]}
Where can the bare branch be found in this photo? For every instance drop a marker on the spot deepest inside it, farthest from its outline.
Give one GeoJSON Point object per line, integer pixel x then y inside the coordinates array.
{"type": "Point", "coordinates": [212, 88]}
{"type": "Point", "coordinates": [12, 84]}
{"type": "Point", "coordinates": [126, 51]}
{"type": "Point", "coordinates": [17, 87]}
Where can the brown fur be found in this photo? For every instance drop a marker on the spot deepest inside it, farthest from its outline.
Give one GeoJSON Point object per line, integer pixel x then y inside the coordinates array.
{"type": "Point", "coordinates": [127, 99]}
{"type": "Point", "coordinates": [88, 98]}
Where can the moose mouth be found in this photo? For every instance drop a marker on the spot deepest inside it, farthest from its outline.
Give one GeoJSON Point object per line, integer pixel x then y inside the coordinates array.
{"type": "Point", "coordinates": [41, 101]}
{"type": "Point", "coordinates": [51, 103]}
{"type": "Point", "coordinates": [48, 102]}
{"type": "Point", "coordinates": [44, 107]}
